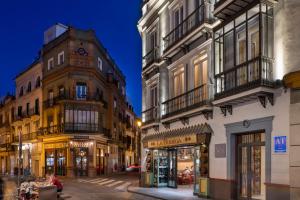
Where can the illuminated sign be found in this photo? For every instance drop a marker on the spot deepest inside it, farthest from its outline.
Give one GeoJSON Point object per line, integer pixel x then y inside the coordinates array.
{"type": "Point", "coordinates": [280, 144]}
{"type": "Point", "coordinates": [173, 141]}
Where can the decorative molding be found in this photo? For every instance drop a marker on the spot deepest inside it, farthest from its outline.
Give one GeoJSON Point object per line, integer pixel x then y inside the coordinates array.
{"type": "Point", "coordinates": [184, 120]}
{"type": "Point", "coordinates": [166, 125]}
{"type": "Point", "coordinates": [208, 114]}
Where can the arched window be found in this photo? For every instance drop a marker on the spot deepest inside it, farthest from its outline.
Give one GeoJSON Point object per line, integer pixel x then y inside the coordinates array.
{"type": "Point", "coordinates": [29, 87]}
{"type": "Point", "coordinates": [38, 82]}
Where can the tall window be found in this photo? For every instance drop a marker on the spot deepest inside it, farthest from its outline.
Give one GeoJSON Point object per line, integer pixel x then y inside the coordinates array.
{"type": "Point", "coordinates": [177, 19]}
{"type": "Point", "coordinates": [50, 97]}
{"type": "Point", "coordinates": [29, 87]}
{"type": "Point", "coordinates": [99, 64]}
{"type": "Point", "coordinates": [61, 58]}
{"type": "Point", "coordinates": [154, 96]}
{"type": "Point", "coordinates": [21, 92]}
{"type": "Point", "coordinates": [200, 71]}
{"type": "Point", "coordinates": [19, 111]}
{"type": "Point", "coordinates": [61, 91]}
{"type": "Point", "coordinates": [50, 63]}
{"type": "Point", "coordinates": [178, 82]}
{"type": "Point", "coordinates": [37, 106]}
{"type": "Point", "coordinates": [38, 82]}
{"type": "Point", "coordinates": [81, 91]}
{"type": "Point", "coordinates": [28, 109]}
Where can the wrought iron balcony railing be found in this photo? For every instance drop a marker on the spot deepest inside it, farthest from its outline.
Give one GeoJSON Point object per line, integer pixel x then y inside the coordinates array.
{"type": "Point", "coordinates": [186, 101]}
{"type": "Point", "coordinates": [68, 96]}
{"type": "Point", "coordinates": [254, 73]}
{"type": "Point", "coordinates": [151, 57]}
{"type": "Point", "coordinates": [27, 114]}
{"type": "Point", "coordinates": [27, 136]}
{"type": "Point", "coordinates": [150, 115]}
{"type": "Point", "coordinates": [193, 21]}
{"type": "Point", "coordinates": [72, 128]}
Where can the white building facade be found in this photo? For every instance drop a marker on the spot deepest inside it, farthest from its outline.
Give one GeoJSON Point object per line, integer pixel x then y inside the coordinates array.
{"type": "Point", "coordinates": [219, 103]}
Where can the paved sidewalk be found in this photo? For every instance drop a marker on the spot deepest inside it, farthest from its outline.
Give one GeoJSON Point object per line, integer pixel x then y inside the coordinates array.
{"type": "Point", "coordinates": [165, 193]}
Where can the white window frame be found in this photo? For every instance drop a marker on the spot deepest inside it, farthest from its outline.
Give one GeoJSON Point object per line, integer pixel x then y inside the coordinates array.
{"type": "Point", "coordinates": [49, 61]}
{"type": "Point", "coordinates": [99, 64]}
{"type": "Point", "coordinates": [59, 62]}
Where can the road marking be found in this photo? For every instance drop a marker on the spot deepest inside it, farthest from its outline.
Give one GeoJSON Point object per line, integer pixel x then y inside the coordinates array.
{"type": "Point", "coordinates": [124, 186]}
{"type": "Point", "coordinates": [105, 182]}
{"type": "Point", "coordinates": [100, 180]}
{"type": "Point", "coordinates": [115, 183]}
{"type": "Point", "coordinates": [84, 180]}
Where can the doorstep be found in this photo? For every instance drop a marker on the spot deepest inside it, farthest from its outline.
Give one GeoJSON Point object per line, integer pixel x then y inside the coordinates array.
{"type": "Point", "coordinates": [164, 193]}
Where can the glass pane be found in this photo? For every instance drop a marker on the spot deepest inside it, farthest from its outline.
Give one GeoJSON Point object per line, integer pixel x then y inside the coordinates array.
{"type": "Point", "coordinates": [196, 169]}
{"type": "Point", "coordinates": [258, 172]}
{"type": "Point", "coordinates": [243, 175]}
{"type": "Point", "coordinates": [229, 48]}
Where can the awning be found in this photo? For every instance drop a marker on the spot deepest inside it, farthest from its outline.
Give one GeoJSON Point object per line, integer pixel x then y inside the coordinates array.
{"type": "Point", "coordinates": [197, 134]}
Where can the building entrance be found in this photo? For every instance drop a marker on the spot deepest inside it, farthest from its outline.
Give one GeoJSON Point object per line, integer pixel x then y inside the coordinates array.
{"type": "Point", "coordinates": [81, 161]}
{"type": "Point", "coordinates": [251, 166]}
{"type": "Point", "coordinates": [179, 167]}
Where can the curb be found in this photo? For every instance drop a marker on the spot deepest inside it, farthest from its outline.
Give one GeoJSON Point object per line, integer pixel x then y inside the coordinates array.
{"type": "Point", "coordinates": [144, 194]}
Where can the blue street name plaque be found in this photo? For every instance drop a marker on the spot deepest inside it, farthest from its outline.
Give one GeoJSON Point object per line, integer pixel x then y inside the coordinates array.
{"type": "Point", "coordinates": [280, 144]}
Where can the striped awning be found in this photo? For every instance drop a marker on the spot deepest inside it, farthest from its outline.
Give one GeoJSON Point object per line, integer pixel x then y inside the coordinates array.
{"type": "Point", "coordinates": [196, 134]}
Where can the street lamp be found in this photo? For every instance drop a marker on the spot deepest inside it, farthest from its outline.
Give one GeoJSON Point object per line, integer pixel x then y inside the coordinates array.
{"type": "Point", "coordinates": [20, 161]}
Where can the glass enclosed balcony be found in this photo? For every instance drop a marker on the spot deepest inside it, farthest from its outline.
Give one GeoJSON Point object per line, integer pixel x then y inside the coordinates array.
{"type": "Point", "coordinates": [244, 52]}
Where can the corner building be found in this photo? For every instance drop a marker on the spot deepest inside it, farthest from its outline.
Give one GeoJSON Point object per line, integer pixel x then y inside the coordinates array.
{"type": "Point", "coordinates": [84, 118]}
{"type": "Point", "coordinates": [70, 112]}
{"type": "Point", "coordinates": [219, 82]}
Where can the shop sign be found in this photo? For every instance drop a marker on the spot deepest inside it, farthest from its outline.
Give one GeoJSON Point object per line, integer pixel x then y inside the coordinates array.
{"type": "Point", "coordinates": [173, 141]}
{"type": "Point", "coordinates": [280, 144]}
{"type": "Point", "coordinates": [75, 144]}
{"type": "Point", "coordinates": [56, 145]}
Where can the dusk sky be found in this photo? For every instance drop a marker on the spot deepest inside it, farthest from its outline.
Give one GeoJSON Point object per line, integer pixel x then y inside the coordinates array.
{"type": "Point", "coordinates": [23, 24]}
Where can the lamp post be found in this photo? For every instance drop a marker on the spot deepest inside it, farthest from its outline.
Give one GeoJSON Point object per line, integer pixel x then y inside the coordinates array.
{"type": "Point", "coordinates": [20, 161]}
{"type": "Point", "coordinates": [139, 124]}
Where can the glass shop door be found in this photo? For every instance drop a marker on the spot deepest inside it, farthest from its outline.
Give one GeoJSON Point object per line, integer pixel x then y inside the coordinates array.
{"type": "Point", "coordinates": [172, 165]}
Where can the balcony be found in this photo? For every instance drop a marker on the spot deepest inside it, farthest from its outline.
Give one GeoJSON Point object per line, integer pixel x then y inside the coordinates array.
{"type": "Point", "coordinates": [187, 26]}
{"type": "Point", "coordinates": [150, 115]}
{"type": "Point", "coordinates": [27, 114]}
{"type": "Point", "coordinates": [151, 57]}
{"type": "Point", "coordinates": [225, 9]}
{"type": "Point", "coordinates": [27, 136]}
{"type": "Point", "coordinates": [192, 99]}
{"type": "Point", "coordinates": [254, 73]}
{"type": "Point", "coordinates": [69, 128]}
{"type": "Point", "coordinates": [73, 97]}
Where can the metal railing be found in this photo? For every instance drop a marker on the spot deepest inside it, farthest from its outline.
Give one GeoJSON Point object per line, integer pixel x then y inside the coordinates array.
{"type": "Point", "coordinates": [186, 101]}
{"type": "Point", "coordinates": [151, 57]}
{"type": "Point", "coordinates": [256, 72]}
{"type": "Point", "coordinates": [27, 136]}
{"type": "Point", "coordinates": [193, 21]}
{"type": "Point", "coordinates": [72, 128]}
{"type": "Point", "coordinates": [150, 115]}
{"type": "Point", "coordinates": [27, 114]}
{"type": "Point", "coordinates": [68, 96]}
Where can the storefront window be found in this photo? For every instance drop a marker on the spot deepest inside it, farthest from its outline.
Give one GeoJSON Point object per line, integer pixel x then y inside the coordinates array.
{"type": "Point", "coordinates": [49, 161]}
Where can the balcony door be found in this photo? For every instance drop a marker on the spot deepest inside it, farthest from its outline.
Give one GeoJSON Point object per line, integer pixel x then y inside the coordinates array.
{"type": "Point", "coordinates": [81, 91]}
{"type": "Point", "coordinates": [154, 100]}
{"type": "Point", "coordinates": [200, 79]}
{"type": "Point", "coordinates": [178, 89]}
{"type": "Point", "coordinates": [178, 18]}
